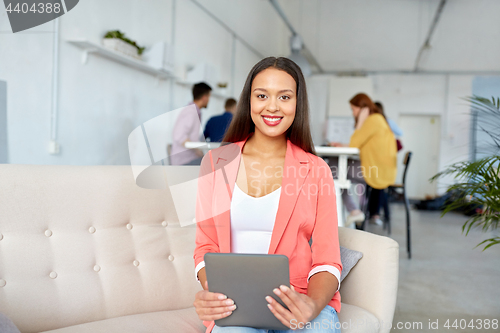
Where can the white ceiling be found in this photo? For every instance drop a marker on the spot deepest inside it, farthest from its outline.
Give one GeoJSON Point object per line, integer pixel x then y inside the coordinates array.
{"type": "Point", "coordinates": [377, 35]}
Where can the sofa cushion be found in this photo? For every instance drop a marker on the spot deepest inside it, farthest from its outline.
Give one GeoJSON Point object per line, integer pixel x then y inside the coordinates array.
{"type": "Point", "coordinates": [349, 259]}
{"type": "Point", "coordinates": [357, 320]}
{"type": "Point", "coordinates": [185, 320]}
{"type": "Point", "coordinates": [354, 320]}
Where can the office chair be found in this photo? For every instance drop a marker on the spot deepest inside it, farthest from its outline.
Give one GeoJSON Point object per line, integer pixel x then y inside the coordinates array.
{"type": "Point", "coordinates": [395, 187]}
{"type": "Point", "coordinates": [385, 205]}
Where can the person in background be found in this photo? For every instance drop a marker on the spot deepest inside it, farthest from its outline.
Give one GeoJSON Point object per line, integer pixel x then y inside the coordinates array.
{"type": "Point", "coordinates": [187, 128]}
{"type": "Point", "coordinates": [377, 145]}
{"type": "Point", "coordinates": [398, 132]}
{"type": "Point", "coordinates": [217, 125]}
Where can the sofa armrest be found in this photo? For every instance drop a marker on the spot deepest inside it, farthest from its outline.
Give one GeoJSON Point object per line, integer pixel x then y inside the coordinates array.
{"type": "Point", "coordinates": [373, 283]}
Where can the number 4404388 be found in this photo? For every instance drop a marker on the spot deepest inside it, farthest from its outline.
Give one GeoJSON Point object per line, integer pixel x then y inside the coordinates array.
{"type": "Point", "coordinates": [472, 324]}
{"type": "Point", "coordinates": [40, 7]}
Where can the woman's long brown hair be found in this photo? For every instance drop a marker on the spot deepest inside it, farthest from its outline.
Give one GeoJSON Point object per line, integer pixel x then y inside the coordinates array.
{"type": "Point", "coordinates": [242, 124]}
{"type": "Point", "coordinates": [364, 101]}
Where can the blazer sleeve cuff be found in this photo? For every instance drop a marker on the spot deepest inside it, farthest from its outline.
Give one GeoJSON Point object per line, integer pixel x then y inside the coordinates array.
{"type": "Point", "coordinates": [198, 268]}
{"type": "Point", "coordinates": [325, 268]}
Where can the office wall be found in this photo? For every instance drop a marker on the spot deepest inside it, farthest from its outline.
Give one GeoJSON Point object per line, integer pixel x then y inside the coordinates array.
{"type": "Point", "coordinates": [101, 102]}
{"type": "Point", "coordinates": [318, 90]}
{"type": "Point", "coordinates": [342, 89]}
{"type": "Point", "coordinates": [4, 154]}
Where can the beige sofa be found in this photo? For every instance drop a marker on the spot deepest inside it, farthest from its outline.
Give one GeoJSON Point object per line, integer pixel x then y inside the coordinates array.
{"type": "Point", "coordinates": [84, 249]}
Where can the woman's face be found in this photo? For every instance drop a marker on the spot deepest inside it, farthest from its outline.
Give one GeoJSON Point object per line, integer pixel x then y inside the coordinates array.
{"type": "Point", "coordinates": [273, 101]}
{"type": "Point", "coordinates": [355, 110]}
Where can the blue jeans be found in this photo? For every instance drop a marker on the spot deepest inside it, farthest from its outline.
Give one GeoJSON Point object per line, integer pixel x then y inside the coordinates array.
{"type": "Point", "coordinates": [326, 322]}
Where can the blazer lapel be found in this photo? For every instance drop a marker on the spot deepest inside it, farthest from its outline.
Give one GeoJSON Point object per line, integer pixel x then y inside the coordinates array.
{"type": "Point", "coordinates": [296, 170]}
{"type": "Point", "coordinates": [226, 165]}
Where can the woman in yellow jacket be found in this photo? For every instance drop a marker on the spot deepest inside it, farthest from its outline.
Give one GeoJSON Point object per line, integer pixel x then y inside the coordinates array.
{"type": "Point", "coordinates": [377, 148]}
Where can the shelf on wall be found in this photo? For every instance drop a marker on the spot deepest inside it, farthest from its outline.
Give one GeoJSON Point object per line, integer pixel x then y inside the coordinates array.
{"type": "Point", "coordinates": [90, 47]}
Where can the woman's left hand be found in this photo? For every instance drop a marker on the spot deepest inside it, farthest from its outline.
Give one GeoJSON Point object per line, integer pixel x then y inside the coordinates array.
{"type": "Point", "coordinates": [302, 308]}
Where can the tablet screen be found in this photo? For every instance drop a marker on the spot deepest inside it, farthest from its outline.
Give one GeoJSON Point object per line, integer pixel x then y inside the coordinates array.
{"type": "Point", "coordinates": [247, 279]}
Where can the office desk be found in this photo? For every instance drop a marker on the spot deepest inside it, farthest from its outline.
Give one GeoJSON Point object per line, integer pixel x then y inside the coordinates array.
{"type": "Point", "coordinates": [343, 153]}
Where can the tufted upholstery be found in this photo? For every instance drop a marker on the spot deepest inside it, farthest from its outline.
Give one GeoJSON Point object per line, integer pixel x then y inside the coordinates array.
{"type": "Point", "coordinates": [84, 249]}
{"type": "Point", "coordinates": [82, 243]}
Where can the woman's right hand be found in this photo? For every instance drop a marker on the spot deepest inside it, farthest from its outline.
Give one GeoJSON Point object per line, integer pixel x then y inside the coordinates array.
{"type": "Point", "coordinates": [363, 114]}
{"type": "Point", "coordinates": [212, 306]}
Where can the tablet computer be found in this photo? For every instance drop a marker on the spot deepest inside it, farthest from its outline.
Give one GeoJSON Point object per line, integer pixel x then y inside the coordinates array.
{"type": "Point", "coordinates": [247, 279]}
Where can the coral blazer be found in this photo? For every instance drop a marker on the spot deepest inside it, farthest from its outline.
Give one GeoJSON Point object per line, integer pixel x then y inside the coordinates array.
{"type": "Point", "coordinates": [307, 209]}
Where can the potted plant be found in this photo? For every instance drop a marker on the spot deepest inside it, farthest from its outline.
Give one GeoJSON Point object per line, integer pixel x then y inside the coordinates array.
{"type": "Point", "coordinates": [478, 182]}
{"type": "Point", "coordinates": [116, 40]}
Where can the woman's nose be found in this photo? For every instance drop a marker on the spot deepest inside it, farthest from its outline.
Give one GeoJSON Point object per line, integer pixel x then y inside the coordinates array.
{"type": "Point", "coordinates": [272, 106]}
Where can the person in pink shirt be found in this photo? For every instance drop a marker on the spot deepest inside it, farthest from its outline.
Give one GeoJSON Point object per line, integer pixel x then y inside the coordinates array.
{"type": "Point", "coordinates": [187, 128]}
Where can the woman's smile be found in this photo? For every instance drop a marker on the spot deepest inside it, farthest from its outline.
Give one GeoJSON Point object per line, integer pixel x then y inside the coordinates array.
{"type": "Point", "coordinates": [272, 120]}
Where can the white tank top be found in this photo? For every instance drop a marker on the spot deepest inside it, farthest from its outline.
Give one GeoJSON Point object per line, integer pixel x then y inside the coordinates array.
{"type": "Point", "coordinates": [252, 221]}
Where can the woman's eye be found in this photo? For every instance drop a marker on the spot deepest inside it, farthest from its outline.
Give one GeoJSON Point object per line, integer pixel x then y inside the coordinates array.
{"type": "Point", "coordinates": [261, 96]}
{"type": "Point", "coordinates": [285, 97]}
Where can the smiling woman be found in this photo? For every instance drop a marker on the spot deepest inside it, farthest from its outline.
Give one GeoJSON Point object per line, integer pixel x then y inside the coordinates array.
{"type": "Point", "coordinates": [270, 156]}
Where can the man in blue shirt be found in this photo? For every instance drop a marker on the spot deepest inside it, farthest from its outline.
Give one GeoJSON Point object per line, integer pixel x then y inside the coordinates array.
{"type": "Point", "coordinates": [217, 125]}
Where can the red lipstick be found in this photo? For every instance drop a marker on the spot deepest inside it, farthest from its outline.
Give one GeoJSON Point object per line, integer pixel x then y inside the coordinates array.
{"type": "Point", "coordinates": [272, 120]}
